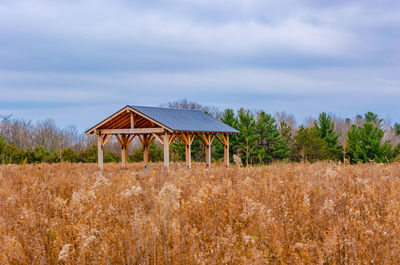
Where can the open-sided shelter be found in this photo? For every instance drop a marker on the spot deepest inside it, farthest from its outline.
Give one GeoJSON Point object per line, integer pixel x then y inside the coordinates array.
{"type": "Point", "coordinates": [165, 125]}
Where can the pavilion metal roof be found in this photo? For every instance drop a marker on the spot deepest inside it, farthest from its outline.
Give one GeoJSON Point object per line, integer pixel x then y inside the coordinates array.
{"type": "Point", "coordinates": [185, 120]}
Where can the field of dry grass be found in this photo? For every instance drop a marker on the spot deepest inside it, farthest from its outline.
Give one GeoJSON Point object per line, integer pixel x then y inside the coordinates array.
{"type": "Point", "coordinates": [279, 214]}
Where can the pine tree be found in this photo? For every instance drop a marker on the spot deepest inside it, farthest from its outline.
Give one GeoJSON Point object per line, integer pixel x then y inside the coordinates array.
{"type": "Point", "coordinates": [69, 155]}
{"type": "Point", "coordinates": [247, 139]}
{"type": "Point", "coordinates": [270, 145]}
{"type": "Point", "coordinates": [364, 144]}
{"type": "Point", "coordinates": [309, 146]}
{"type": "Point", "coordinates": [326, 130]}
{"type": "Point", "coordinates": [371, 117]}
{"type": "Point", "coordinates": [13, 155]}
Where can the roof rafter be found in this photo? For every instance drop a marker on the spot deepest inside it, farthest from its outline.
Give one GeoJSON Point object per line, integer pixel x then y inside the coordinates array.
{"type": "Point", "coordinates": [125, 111]}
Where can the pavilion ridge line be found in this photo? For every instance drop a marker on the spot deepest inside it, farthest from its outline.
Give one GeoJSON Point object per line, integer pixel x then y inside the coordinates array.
{"type": "Point", "coordinates": [164, 125]}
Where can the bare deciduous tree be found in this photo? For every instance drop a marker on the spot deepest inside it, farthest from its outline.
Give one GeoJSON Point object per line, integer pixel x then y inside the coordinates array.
{"type": "Point", "coordinates": [289, 119]}
{"type": "Point", "coordinates": [18, 132]}
{"type": "Point", "coordinates": [185, 104]}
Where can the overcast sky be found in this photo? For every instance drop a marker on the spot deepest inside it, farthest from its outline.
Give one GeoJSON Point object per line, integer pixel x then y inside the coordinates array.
{"type": "Point", "coordinates": [79, 61]}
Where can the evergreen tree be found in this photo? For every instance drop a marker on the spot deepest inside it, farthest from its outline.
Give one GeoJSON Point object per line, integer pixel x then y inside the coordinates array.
{"type": "Point", "coordinates": [41, 155]}
{"type": "Point", "coordinates": [13, 155]}
{"type": "Point", "coordinates": [270, 145]}
{"type": "Point", "coordinates": [371, 117]}
{"type": "Point", "coordinates": [364, 144]}
{"type": "Point", "coordinates": [247, 139]}
{"type": "Point", "coordinates": [68, 155]}
{"type": "Point", "coordinates": [110, 157]}
{"type": "Point", "coordinates": [326, 130]}
{"type": "Point", "coordinates": [90, 155]}
{"type": "Point", "coordinates": [309, 146]}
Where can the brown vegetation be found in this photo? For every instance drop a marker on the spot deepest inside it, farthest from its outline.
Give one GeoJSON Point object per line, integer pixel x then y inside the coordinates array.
{"type": "Point", "coordinates": [279, 214]}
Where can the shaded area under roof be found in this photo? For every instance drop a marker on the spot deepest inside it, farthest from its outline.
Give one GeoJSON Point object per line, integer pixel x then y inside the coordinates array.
{"type": "Point", "coordinates": [185, 120]}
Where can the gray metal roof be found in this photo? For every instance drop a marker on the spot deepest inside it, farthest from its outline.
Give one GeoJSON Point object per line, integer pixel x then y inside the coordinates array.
{"type": "Point", "coordinates": [185, 120]}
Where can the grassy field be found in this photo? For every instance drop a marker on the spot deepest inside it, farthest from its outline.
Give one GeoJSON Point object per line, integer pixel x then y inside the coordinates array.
{"type": "Point", "coordinates": [279, 214]}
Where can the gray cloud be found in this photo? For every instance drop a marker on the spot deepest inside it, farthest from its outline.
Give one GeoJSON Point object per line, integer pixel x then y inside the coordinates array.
{"type": "Point", "coordinates": [299, 56]}
{"type": "Point", "coordinates": [93, 36]}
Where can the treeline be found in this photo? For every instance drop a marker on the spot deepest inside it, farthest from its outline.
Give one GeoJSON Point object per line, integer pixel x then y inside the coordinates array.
{"type": "Point", "coordinates": [24, 142]}
{"type": "Point", "coordinates": [263, 138]}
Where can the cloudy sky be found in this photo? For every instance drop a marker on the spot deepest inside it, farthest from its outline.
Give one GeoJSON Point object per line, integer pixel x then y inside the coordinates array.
{"type": "Point", "coordinates": [78, 61]}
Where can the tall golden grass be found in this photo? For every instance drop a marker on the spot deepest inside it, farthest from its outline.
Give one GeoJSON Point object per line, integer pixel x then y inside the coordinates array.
{"type": "Point", "coordinates": [279, 214]}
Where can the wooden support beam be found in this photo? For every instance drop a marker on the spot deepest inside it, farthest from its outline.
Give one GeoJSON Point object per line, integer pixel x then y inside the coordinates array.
{"type": "Point", "coordinates": [226, 150]}
{"type": "Point", "coordinates": [225, 138]}
{"type": "Point", "coordinates": [158, 137]}
{"type": "Point", "coordinates": [100, 152]}
{"type": "Point", "coordinates": [201, 140]}
{"type": "Point", "coordinates": [146, 155]}
{"type": "Point", "coordinates": [145, 150]}
{"type": "Point", "coordinates": [208, 155]}
{"type": "Point", "coordinates": [106, 139]}
{"type": "Point", "coordinates": [172, 139]}
{"type": "Point", "coordinates": [220, 140]}
{"type": "Point", "coordinates": [191, 139]}
{"type": "Point", "coordinates": [188, 149]}
{"type": "Point", "coordinates": [151, 139]}
{"type": "Point", "coordinates": [132, 131]}
{"type": "Point", "coordinates": [131, 139]}
{"type": "Point", "coordinates": [141, 139]}
{"type": "Point", "coordinates": [185, 138]}
{"type": "Point", "coordinates": [119, 140]}
{"type": "Point", "coordinates": [182, 139]}
{"type": "Point", "coordinates": [211, 139]}
{"type": "Point", "coordinates": [208, 139]}
{"type": "Point", "coordinates": [123, 151]}
{"type": "Point", "coordinates": [166, 150]}
{"type": "Point", "coordinates": [205, 137]}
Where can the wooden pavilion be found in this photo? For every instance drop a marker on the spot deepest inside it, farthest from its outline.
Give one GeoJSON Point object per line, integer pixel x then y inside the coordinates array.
{"type": "Point", "coordinates": [165, 125]}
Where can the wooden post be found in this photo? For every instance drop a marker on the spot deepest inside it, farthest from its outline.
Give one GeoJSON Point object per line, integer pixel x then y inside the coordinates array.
{"type": "Point", "coordinates": [208, 155]}
{"type": "Point", "coordinates": [208, 139]}
{"type": "Point", "coordinates": [145, 150]}
{"type": "Point", "coordinates": [100, 151]}
{"type": "Point", "coordinates": [123, 155]}
{"type": "Point", "coordinates": [166, 150]}
{"type": "Point", "coordinates": [188, 150]}
{"type": "Point", "coordinates": [226, 150]}
{"type": "Point", "coordinates": [187, 140]}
